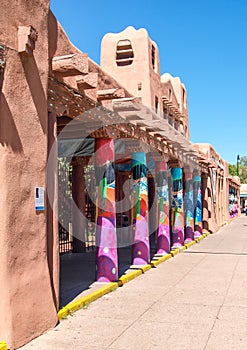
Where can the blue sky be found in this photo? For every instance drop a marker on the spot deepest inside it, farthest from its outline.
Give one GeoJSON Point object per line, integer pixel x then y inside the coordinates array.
{"type": "Point", "coordinates": [203, 42]}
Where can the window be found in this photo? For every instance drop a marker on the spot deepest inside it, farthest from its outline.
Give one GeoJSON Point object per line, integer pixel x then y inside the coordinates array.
{"type": "Point", "coordinates": [170, 94]}
{"type": "Point", "coordinates": [156, 104]}
{"type": "Point", "coordinates": [153, 57]}
{"type": "Point", "coordinates": [165, 116]}
{"type": "Point", "coordinates": [124, 54]}
{"type": "Point", "coordinates": [184, 99]}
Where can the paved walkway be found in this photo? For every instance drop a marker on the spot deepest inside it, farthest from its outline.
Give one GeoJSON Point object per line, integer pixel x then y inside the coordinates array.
{"type": "Point", "coordinates": [194, 301]}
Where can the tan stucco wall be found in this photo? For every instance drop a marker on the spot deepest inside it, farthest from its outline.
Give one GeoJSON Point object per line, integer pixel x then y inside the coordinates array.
{"type": "Point", "coordinates": [140, 71]}
{"type": "Point", "coordinates": [140, 78]}
{"type": "Point", "coordinates": [27, 300]}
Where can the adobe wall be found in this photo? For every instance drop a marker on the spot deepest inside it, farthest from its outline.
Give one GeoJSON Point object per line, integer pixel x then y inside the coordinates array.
{"type": "Point", "coordinates": [218, 209]}
{"type": "Point", "coordinates": [142, 75]}
{"type": "Point", "coordinates": [27, 293]}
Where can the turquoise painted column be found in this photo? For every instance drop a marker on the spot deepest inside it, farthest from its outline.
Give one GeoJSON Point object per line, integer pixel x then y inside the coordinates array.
{"type": "Point", "coordinates": [106, 237]}
{"type": "Point", "coordinates": [177, 210]}
{"type": "Point", "coordinates": [163, 233]}
{"type": "Point", "coordinates": [141, 246]}
{"type": "Point", "coordinates": [197, 205]}
{"type": "Point", "coordinates": [188, 206]}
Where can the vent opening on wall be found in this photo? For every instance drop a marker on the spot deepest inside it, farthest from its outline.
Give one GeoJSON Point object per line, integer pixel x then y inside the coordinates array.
{"type": "Point", "coordinates": [124, 54]}
{"type": "Point", "coordinates": [153, 57]}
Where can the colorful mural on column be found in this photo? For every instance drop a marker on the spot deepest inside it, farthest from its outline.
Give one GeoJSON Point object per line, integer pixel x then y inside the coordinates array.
{"type": "Point", "coordinates": [106, 237]}
{"type": "Point", "coordinates": [198, 205]}
{"type": "Point", "coordinates": [177, 217]}
{"type": "Point", "coordinates": [188, 206]}
{"type": "Point", "coordinates": [163, 234]}
{"type": "Point", "coordinates": [141, 246]}
{"type": "Point", "coordinates": [233, 203]}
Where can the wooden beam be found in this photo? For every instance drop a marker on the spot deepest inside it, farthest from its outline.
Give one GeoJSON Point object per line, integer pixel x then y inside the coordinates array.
{"type": "Point", "coordinates": [88, 81]}
{"type": "Point", "coordinates": [110, 94]}
{"type": "Point", "coordinates": [70, 65]}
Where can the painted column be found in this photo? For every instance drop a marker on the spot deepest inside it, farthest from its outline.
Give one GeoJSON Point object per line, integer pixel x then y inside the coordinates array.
{"type": "Point", "coordinates": [188, 206]}
{"type": "Point", "coordinates": [141, 246]}
{"type": "Point", "coordinates": [163, 233]}
{"type": "Point", "coordinates": [177, 217]}
{"type": "Point", "coordinates": [205, 202]}
{"type": "Point", "coordinates": [106, 236]}
{"type": "Point", "coordinates": [198, 205]}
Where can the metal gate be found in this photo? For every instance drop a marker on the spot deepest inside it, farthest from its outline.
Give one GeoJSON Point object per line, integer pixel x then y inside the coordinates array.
{"type": "Point", "coordinates": [65, 223]}
{"type": "Point", "coordinates": [65, 205]}
{"type": "Point", "coordinates": [90, 207]}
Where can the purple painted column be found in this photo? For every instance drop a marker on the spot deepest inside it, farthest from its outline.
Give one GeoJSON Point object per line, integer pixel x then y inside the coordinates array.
{"type": "Point", "coordinates": [163, 233]}
{"type": "Point", "coordinates": [188, 206]}
{"type": "Point", "coordinates": [106, 237]}
{"type": "Point", "coordinates": [141, 246]}
{"type": "Point", "coordinates": [197, 205]}
{"type": "Point", "coordinates": [177, 219]}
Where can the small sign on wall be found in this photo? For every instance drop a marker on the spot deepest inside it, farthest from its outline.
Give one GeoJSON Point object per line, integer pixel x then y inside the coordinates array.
{"type": "Point", "coordinates": [39, 194]}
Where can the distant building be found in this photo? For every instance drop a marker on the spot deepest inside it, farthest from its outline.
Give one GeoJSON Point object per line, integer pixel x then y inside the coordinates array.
{"type": "Point", "coordinates": [243, 197]}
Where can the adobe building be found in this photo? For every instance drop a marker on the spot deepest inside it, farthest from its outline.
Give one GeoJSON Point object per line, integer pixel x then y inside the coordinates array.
{"type": "Point", "coordinates": [60, 110]}
{"type": "Point", "coordinates": [243, 197]}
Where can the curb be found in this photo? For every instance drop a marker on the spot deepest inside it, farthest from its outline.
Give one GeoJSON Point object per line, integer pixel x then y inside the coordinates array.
{"type": "Point", "coordinates": [175, 252]}
{"type": "Point", "coordinates": [190, 244]}
{"type": "Point", "coordinates": [3, 345]}
{"type": "Point", "coordinates": [159, 260]}
{"type": "Point", "coordinates": [128, 277]}
{"type": "Point", "coordinates": [198, 239]}
{"type": "Point", "coordinates": [87, 299]}
{"type": "Point", "coordinates": [143, 268]}
{"type": "Point", "coordinates": [136, 271]}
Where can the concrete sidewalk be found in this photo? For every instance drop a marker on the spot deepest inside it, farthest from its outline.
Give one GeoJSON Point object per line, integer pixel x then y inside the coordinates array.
{"type": "Point", "coordinates": [197, 300]}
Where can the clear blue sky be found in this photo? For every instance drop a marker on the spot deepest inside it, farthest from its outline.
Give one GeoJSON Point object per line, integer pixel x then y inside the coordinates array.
{"type": "Point", "coordinates": [203, 42]}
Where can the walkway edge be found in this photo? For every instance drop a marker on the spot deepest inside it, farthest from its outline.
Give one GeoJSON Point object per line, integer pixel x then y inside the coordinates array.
{"type": "Point", "coordinates": [87, 299]}
{"type": "Point", "coordinates": [136, 271]}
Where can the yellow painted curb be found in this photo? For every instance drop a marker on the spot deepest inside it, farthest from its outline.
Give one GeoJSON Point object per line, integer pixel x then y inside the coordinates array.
{"type": "Point", "coordinates": [143, 268]}
{"type": "Point", "coordinates": [201, 238]}
{"type": "Point", "coordinates": [87, 299]}
{"type": "Point", "coordinates": [128, 277]}
{"type": "Point", "coordinates": [3, 345]}
{"type": "Point", "coordinates": [187, 245]}
{"type": "Point", "coordinates": [183, 247]}
{"type": "Point", "coordinates": [175, 252]}
{"type": "Point", "coordinates": [63, 313]}
{"type": "Point", "coordinates": [154, 263]}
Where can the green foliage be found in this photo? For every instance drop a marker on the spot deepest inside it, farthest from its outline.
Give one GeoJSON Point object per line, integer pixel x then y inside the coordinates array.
{"type": "Point", "coordinates": [239, 169]}
{"type": "Point", "coordinates": [232, 169]}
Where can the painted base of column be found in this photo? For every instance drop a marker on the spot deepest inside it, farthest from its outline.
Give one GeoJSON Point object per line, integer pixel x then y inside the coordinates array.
{"type": "Point", "coordinates": [106, 253]}
{"type": "Point", "coordinates": [189, 233]}
{"type": "Point", "coordinates": [141, 248]}
{"type": "Point", "coordinates": [197, 234]}
{"type": "Point", "coordinates": [163, 240]}
{"type": "Point", "coordinates": [178, 232]}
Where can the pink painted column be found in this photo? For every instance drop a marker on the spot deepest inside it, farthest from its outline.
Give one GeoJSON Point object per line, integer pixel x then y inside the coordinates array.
{"type": "Point", "coordinates": [106, 236]}
{"type": "Point", "coordinates": [141, 246]}
{"type": "Point", "coordinates": [198, 205]}
{"type": "Point", "coordinates": [188, 205]}
{"type": "Point", "coordinates": [177, 207]}
{"type": "Point", "coordinates": [163, 233]}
